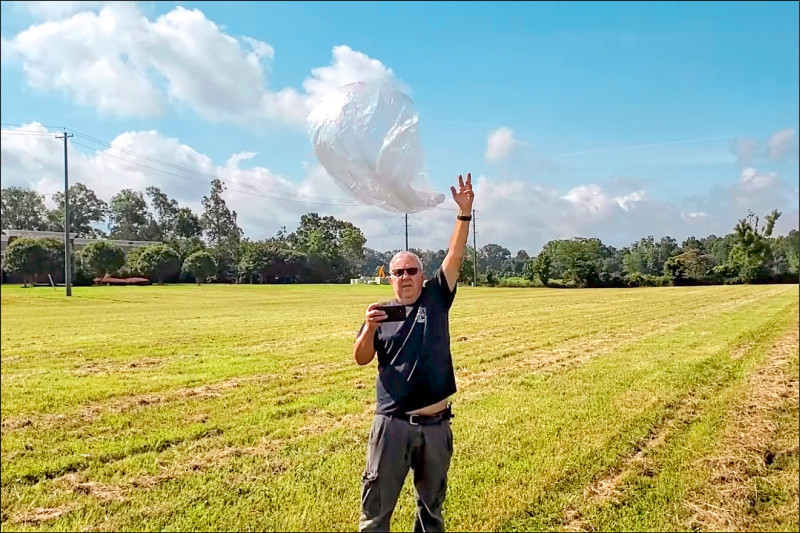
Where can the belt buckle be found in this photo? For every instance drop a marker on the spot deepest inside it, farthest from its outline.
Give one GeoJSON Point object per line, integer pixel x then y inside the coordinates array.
{"type": "Point", "coordinates": [411, 420]}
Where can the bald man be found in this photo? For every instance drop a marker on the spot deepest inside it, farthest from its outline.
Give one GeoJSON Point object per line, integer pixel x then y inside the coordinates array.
{"type": "Point", "coordinates": [415, 380]}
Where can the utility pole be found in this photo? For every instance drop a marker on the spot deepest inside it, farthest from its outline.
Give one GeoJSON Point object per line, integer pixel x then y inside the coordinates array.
{"type": "Point", "coordinates": [406, 231]}
{"type": "Point", "coordinates": [67, 254]}
{"type": "Point", "coordinates": [474, 252]}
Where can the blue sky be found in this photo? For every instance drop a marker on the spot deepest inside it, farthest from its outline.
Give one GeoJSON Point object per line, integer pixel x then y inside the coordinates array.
{"type": "Point", "coordinates": [596, 119]}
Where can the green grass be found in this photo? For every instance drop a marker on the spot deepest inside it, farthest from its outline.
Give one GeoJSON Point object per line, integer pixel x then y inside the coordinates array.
{"type": "Point", "coordinates": [240, 407]}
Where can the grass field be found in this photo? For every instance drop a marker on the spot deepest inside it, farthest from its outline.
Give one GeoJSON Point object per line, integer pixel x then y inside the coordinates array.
{"type": "Point", "coordinates": [240, 408]}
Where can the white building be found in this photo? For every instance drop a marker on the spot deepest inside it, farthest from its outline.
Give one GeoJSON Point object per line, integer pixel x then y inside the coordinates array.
{"type": "Point", "coordinates": [76, 243]}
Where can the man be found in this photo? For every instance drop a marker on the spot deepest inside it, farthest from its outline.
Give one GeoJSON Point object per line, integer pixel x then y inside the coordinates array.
{"type": "Point", "coordinates": [415, 379]}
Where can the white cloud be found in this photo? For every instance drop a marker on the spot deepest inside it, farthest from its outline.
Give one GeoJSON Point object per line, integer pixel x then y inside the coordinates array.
{"type": "Point", "coordinates": [629, 201]}
{"type": "Point", "coordinates": [60, 9]}
{"type": "Point", "coordinates": [590, 200]}
{"type": "Point", "coordinates": [746, 150]}
{"type": "Point", "coordinates": [753, 180]}
{"type": "Point", "coordinates": [694, 218]}
{"type": "Point", "coordinates": [123, 64]}
{"type": "Point", "coordinates": [500, 144]}
{"type": "Point", "coordinates": [782, 144]}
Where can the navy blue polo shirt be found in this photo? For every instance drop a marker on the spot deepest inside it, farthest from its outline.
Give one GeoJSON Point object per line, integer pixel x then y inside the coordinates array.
{"type": "Point", "coordinates": [415, 367]}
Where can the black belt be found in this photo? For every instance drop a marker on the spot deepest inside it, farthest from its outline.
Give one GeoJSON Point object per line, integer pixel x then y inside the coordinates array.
{"type": "Point", "coordinates": [425, 420]}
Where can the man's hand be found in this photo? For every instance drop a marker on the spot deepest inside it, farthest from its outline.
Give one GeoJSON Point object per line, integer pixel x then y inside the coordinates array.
{"type": "Point", "coordinates": [464, 196]}
{"type": "Point", "coordinates": [364, 348]}
{"type": "Point", "coordinates": [373, 317]}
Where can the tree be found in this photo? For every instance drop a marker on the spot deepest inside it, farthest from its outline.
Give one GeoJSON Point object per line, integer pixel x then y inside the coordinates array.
{"type": "Point", "coordinates": [788, 247]}
{"type": "Point", "coordinates": [466, 272]}
{"type": "Point", "coordinates": [647, 256]}
{"type": "Point", "coordinates": [200, 265]}
{"type": "Point", "coordinates": [129, 217]}
{"type": "Point", "coordinates": [185, 225]}
{"type": "Point", "coordinates": [102, 257]}
{"type": "Point", "coordinates": [431, 261]}
{"type": "Point", "coordinates": [577, 261]}
{"type": "Point", "coordinates": [165, 209]}
{"type": "Point", "coordinates": [158, 261]}
{"type": "Point", "coordinates": [22, 209]}
{"type": "Point", "coordinates": [492, 256]}
{"type": "Point", "coordinates": [539, 268]}
{"type": "Point", "coordinates": [85, 208]}
{"type": "Point", "coordinates": [751, 249]}
{"type": "Point", "coordinates": [31, 256]}
{"type": "Point", "coordinates": [691, 265]}
{"type": "Point", "coordinates": [222, 233]}
{"type": "Point", "coordinates": [334, 248]}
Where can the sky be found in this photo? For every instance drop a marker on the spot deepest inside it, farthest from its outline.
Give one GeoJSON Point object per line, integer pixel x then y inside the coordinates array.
{"type": "Point", "coordinates": [614, 120]}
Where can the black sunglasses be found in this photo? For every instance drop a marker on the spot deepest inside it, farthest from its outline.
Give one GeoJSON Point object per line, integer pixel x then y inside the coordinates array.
{"type": "Point", "coordinates": [398, 272]}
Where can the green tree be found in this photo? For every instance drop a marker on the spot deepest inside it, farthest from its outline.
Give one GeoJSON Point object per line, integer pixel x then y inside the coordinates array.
{"type": "Point", "coordinates": [334, 248]}
{"type": "Point", "coordinates": [129, 217]}
{"type": "Point", "coordinates": [186, 225]}
{"type": "Point", "coordinates": [102, 257]}
{"type": "Point", "coordinates": [23, 209]}
{"type": "Point", "coordinates": [222, 233]}
{"type": "Point", "coordinates": [85, 209]}
{"type": "Point", "coordinates": [578, 261]}
{"type": "Point", "coordinates": [751, 249]}
{"type": "Point", "coordinates": [539, 268]}
{"type": "Point", "coordinates": [788, 248]}
{"type": "Point", "coordinates": [200, 265]}
{"type": "Point", "coordinates": [33, 256]}
{"type": "Point", "coordinates": [466, 272]}
{"type": "Point", "coordinates": [492, 257]}
{"type": "Point", "coordinates": [165, 209]}
{"type": "Point", "coordinates": [158, 261]}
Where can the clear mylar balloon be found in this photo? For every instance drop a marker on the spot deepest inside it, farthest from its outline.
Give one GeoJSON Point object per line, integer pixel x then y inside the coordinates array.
{"type": "Point", "coordinates": [365, 135]}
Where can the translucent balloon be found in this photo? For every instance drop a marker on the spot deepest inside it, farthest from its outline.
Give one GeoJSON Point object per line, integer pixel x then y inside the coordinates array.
{"type": "Point", "coordinates": [365, 135]}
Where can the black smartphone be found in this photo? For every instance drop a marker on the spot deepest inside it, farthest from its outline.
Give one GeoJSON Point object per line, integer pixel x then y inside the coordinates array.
{"type": "Point", "coordinates": [394, 313]}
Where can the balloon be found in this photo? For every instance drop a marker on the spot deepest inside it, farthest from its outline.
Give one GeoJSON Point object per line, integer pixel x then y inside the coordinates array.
{"type": "Point", "coordinates": [365, 135]}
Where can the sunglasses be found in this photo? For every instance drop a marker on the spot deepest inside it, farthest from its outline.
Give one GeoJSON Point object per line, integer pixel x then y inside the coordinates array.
{"type": "Point", "coordinates": [398, 272]}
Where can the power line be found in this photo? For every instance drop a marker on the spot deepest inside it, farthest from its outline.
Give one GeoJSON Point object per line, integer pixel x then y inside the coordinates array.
{"type": "Point", "coordinates": [311, 198]}
{"type": "Point", "coordinates": [227, 184]}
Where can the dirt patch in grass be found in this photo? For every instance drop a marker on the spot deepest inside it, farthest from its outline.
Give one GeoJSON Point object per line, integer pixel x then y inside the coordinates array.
{"type": "Point", "coordinates": [636, 462]}
{"type": "Point", "coordinates": [114, 367]}
{"type": "Point", "coordinates": [38, 515]}
{"type": "Point", "coordinates": [126, 404]}
{"type": "Point", "coordinates": [750, 475]}
{"type": "Point", "coordinates": [548, 361]}
{"type": "Point", "coordinates": [77, 483]}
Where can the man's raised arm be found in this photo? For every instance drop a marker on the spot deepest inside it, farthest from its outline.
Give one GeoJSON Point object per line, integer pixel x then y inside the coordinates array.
{"type": "Point", "coordinates": [458, 240]}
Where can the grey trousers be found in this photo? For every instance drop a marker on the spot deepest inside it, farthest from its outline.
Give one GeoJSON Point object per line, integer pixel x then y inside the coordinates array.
{"type": "Point", "coordinates": [396, 445]}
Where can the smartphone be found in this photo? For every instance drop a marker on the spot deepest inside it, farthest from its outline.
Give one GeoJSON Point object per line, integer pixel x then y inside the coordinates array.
{"type": "Point", "coordinates": [394, 313]}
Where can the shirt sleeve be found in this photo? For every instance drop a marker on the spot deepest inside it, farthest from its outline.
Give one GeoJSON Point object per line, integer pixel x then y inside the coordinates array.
{"type": "Point", "coordinates": [440, 289]}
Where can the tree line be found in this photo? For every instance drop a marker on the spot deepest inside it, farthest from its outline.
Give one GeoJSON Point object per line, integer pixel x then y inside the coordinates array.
{"type": "Point", "coordinates": [322, 249]}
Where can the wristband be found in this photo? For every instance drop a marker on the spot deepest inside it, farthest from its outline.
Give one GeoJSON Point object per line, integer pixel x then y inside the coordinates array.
{"type": "Point", "coordinates": [464, 217]}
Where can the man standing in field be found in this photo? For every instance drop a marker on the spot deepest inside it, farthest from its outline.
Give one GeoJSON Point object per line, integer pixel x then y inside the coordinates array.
{"type": "Point", "coordinates": [415, 379]}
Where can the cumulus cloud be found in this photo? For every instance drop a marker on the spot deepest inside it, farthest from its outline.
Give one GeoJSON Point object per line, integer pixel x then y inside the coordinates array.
{"type": "Point", "coordinates": [59, 10]}
{"type": "Point", "coordinates": [119, 62]}
{"type": "Point", "coordinates": [782, 144]}
{"type": "Point", "coordinates": [752, 180]}
{"type": "Point", "coordinates": [500, 145]}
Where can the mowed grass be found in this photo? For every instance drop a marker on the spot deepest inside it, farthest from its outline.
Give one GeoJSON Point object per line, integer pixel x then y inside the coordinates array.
{"type": "Point", "coordinates": [240, 408]}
